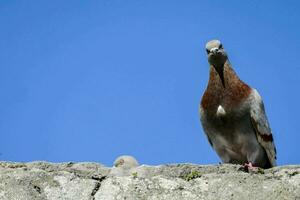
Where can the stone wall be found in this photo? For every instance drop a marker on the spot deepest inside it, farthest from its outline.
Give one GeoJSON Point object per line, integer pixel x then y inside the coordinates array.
{"type": "Point", "coordinates": [92, 181]}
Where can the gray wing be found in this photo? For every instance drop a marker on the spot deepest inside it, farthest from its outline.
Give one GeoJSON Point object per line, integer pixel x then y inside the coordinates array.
{"type": "Point", "coordinates": [262, 128]}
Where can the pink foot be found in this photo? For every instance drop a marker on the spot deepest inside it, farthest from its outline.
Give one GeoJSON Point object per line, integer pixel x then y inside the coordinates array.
{"type": "Point", "coordinates": [250, 167]}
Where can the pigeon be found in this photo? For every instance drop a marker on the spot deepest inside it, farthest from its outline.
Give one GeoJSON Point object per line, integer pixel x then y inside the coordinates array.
{"type": "Point", "coordinates": [233, 116]}
{"type": "Point", "coordinates": [126, 161]}
{"type": "Point", "coordinates": [124, 165]}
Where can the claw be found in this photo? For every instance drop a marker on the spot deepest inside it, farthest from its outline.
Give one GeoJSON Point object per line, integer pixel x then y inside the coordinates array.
{"type": "Point", "coordinates": [250, 167]}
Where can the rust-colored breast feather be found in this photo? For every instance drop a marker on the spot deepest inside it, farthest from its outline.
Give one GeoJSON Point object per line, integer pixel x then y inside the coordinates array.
{"type": "Point", "coordinates": [228, 95]}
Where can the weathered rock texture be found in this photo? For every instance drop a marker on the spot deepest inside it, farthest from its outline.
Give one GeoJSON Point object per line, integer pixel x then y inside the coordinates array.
{"type": "Point", "coordinates": [92, 181]}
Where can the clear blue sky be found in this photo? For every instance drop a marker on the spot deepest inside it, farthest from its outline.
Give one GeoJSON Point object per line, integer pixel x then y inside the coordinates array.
{"type": "Point", "coordinates": [92, 80]}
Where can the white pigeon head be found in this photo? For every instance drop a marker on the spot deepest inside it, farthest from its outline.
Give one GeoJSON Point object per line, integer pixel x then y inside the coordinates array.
{"type": "Point", "coordinates": [216, 54]}
{"type": "Point", "coordinates": [126, 161]}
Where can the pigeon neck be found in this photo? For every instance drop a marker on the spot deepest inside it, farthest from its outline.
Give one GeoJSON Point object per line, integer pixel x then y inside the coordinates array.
{"type": "Point", "coordinates": [216, 94]}
{"type": "Point", "coordinates": [222, 76]}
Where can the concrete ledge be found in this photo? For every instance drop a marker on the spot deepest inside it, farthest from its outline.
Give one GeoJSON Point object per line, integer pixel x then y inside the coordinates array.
{"type": "Point", "coordinates": [92, 181]}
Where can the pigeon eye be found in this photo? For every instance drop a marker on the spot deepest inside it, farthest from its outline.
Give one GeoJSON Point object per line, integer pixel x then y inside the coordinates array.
{"type": "Point", "coordinates": [221, 46]}
{"type": "Point", "coordinates": [207, 51]}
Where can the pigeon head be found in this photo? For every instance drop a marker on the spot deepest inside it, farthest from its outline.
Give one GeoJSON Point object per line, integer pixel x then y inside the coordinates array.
{"type": "Point", "coordinates": [216, 54]}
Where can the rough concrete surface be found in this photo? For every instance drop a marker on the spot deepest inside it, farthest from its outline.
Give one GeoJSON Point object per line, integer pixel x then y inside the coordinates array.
{"type": "Point", "coordinates": [92, 181]}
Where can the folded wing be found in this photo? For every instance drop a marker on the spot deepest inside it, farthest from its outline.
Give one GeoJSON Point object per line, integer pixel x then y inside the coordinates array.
{"type": "Point", "coordinates": [262, 128]}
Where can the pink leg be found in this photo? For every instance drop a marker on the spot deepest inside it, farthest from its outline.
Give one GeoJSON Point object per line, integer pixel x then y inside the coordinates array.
{"type": "Point", "coordinates": [250, 167]}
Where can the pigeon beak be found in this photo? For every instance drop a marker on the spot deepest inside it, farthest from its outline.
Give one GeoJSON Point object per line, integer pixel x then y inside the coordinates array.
{"type": "Point", "coordinates": [214, 50]}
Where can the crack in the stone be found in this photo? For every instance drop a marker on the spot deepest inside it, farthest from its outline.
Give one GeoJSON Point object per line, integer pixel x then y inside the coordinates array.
{"type": "Point", "coordinates": [97, 185]}
{"type": "Point", "coordinates": [38, 189]}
